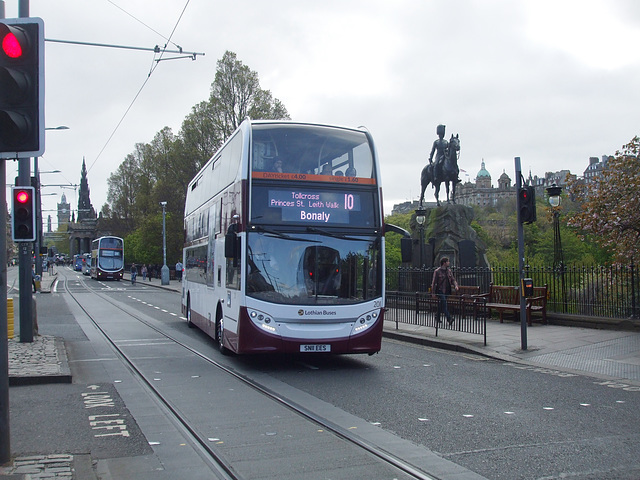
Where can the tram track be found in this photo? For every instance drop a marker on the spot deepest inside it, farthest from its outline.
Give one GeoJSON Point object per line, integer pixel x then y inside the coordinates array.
{"type": "Point", "coordinates": [213, 457]}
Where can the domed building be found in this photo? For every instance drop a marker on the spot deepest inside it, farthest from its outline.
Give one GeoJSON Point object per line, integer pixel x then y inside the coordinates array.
{"type": "Point", "coordinates": [483, 178]}
{"type": "Point", "coordinates": [481, 192]}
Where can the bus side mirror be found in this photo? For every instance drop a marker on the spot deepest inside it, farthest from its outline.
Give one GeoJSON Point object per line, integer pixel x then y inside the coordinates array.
{"type": "Point", "coordinates": [231, 244]}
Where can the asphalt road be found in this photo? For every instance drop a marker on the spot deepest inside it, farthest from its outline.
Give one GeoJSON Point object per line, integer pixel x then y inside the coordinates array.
{"type": "Point", "coordinates": [501, 420]}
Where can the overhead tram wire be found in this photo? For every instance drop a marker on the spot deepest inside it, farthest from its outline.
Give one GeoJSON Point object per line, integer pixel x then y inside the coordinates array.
{"type": "Point", "coordinates": [144, 24]}
{"type": "Point", "coordinates": [154, 65]}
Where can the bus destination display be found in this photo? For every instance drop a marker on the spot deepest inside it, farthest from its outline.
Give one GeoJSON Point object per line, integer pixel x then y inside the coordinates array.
{"type": "Point", "coordinates": [314, 206]}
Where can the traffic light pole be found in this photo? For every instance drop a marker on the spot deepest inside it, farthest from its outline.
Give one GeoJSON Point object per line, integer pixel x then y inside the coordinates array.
{"type": "Point", "coordinates": [523, 300]}
{"type": "Point", "coordinates": [5, 444]}
{"type": "Point", "coordinates": [5, 436]}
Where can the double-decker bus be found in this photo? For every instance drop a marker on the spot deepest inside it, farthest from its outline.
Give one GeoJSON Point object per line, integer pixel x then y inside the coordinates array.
{"type": "Point", "coordinates": [107, 258]}
{"type": "Point", "coordinates": [284, 243]}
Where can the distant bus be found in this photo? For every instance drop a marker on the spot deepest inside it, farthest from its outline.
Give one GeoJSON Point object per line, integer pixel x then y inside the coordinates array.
{"type": "Point", "coordinates": [86, 264]}
{"type": "Point", "coordinates": [107, 258]}
{"type": "Point", "coordinates": [284, 246]}
{"type": "Point", "coordinates": [78, 262]}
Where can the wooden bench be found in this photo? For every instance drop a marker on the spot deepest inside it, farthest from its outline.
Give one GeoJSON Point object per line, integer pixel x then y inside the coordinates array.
{"type": "Point", "coordinates": [465, 300]}
{"type": "Point", "coordinates": [507, 299]}
{"type": "Point", "coordinates": [466, 290]}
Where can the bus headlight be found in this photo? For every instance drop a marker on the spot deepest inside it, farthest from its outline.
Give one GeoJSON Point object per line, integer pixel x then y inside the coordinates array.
{"type": "Point", "coordinates": [365, 321]}
{"type": "Point", "coordinates": [262, 321]}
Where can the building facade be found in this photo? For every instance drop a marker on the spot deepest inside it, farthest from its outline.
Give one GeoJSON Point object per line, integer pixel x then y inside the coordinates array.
{"type": "Point", "coordinates": [482, 193]}
{"type": "Point", "coordinates": [595, 167]}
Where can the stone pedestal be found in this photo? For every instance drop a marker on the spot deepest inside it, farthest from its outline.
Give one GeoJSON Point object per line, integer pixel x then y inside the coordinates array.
{"type": "Point", "coordinates": [448, 231]}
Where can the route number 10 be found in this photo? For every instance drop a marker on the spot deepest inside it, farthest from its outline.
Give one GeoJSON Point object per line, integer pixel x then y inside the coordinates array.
{"type": "Point", "coordinates": [348, 201]}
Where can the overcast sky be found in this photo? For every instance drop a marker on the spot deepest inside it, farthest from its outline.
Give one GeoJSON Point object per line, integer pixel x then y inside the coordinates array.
{"type": "Point", "coordinates": [551, 81]}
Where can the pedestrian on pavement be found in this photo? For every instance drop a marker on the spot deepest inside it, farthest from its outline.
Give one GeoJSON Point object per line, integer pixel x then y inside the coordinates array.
{"type": "Point", "coordinates": [134, 273]}
{"type": "Point", "coordinates": [441, 285]}
{"type": "Point", "coordinates": [143, 270]}
{"type": "Point", "coordinates": [179, 271]}
{"type": "Point", "coordinates": [33, 280]}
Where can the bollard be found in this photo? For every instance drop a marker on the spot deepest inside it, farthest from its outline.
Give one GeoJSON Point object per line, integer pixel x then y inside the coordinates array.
{"type": "Point", "coordinates": [10, 318]}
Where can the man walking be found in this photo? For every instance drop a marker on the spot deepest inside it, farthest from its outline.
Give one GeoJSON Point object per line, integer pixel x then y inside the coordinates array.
{"type": "Point", "coordinates": [179, 270]}
{"type": "Point", "coordinates": [441, 285]}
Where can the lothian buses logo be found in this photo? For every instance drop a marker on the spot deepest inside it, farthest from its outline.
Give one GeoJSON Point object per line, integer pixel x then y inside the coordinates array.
{"type": "Point", "coordinates": [302, 312]}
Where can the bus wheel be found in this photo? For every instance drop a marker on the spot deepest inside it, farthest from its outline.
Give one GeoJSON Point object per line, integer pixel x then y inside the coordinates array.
{"type": "Point", "coordinates": [220, 336]}
{"type": "Point", "coordinates": [189, 322]}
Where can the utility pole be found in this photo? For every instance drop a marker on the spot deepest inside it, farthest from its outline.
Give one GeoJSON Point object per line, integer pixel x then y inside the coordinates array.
{"type": "Point", "coordinates": [164, 271]}
{"type": "Point", "coordinates": [5, 444]}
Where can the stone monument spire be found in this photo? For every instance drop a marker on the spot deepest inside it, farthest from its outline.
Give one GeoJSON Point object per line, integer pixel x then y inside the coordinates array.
{"type": "Point", "coordinates": [85, 209]}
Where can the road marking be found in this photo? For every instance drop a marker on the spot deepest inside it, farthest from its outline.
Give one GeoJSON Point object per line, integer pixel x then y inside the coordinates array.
{"type": "Point", "coordinates": [623, 386]}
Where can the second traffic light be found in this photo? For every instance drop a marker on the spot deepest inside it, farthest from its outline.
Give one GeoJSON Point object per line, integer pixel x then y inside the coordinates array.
{"type": "Point", "coordinates": [23, 214]}
{"type": "Point", "coordinates": [527, 204]}
{"type": "Point", "coordinates": [21, 87]}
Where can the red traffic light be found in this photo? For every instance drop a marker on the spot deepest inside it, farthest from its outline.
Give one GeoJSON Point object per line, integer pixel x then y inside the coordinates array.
{"type": "Point", "coordinates": [22, 196]}
{"type": "Point", "coordinates": [21, 87]}
{"type": "Point", "coordinates": [14, 41]}
{"type": "Point", "coordinates": [23, 214]}
{"type": "Point", "coordinates": [527, 204]}
{"type": "Point", "coordinates": [11, 46]}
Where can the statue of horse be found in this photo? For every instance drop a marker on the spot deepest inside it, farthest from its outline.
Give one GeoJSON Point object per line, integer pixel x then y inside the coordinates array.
{"type": "Point", "coordinates": [426, 177]}
{"type": "Point", "coordinates": [449, 174]}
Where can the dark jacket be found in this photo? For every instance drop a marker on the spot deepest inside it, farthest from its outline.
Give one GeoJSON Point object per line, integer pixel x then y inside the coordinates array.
{"type": "Point", "coordinates": [443, 281]}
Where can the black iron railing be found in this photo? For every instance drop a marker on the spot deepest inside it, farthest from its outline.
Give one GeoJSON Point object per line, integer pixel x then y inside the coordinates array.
{"type": "Point", "coordinates": [612, 291]}
{"type": "Point", "coordinates": [468, 313]}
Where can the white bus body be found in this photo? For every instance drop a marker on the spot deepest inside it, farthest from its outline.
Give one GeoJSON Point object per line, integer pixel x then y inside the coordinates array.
{"type": "Point", "coordinates": [284, 247]}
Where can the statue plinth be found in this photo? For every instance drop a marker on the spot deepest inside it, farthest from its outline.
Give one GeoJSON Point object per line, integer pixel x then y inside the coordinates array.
{"type": "Point", "coordinates": [448, 231]}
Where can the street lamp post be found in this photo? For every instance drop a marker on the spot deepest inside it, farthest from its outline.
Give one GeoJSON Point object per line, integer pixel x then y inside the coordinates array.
{"type": "Point", "coordinates": [554, 192]}
{"type": "Point", "coordinates": [165, 270]}
{"type": "Point", "coordinates": [420, 218]}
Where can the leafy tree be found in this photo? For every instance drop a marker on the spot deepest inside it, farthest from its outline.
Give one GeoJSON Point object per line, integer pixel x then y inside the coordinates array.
{"type": "Point", "coordinates": [393, 255]}
{"type": "Point", "coordinates": [610, 212]}
{"type": "Point", "coordinates": [123, 190]}
{"type": "Point", "coordinates": [236, 94]}
{"type": "Point", "coordinates": [198, 136]}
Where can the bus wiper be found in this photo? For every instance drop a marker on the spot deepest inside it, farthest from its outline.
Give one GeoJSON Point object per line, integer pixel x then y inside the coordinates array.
{"type": "Point", "coordinates": [331, 234]}
{"type": "Point", "coordinates": [275, 233]}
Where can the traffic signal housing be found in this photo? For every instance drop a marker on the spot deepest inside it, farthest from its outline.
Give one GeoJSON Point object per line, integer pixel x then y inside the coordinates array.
{"type": "Point", "coordinates": [527, 204]}
{"type": "Point", "coordinates": [21, 87]}
{"type": "Point", "coordinates": [23, 214]}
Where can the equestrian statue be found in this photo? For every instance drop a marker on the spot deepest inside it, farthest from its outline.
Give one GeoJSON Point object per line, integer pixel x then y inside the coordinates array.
{"type": "Point", "coordinates": [445, 169]}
